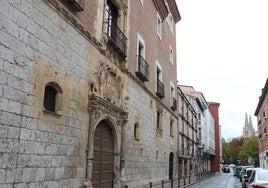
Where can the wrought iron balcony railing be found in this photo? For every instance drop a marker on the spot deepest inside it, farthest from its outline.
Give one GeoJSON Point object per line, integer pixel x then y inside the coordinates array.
{"type": "Point", "coordinates": [143, 69]}
{"type": "Point", "coordinates": [160, 89]}
{"type": "Point", "coordinates": [116, 38]}
{"type": "Point", "coordinates": [173, 104]}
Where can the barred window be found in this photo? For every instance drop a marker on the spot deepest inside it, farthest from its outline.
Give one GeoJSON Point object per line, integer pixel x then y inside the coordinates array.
{"type": "Point", "coordinates": [52, 98]}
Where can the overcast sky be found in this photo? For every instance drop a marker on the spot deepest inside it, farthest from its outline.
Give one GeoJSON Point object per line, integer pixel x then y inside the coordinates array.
{"type": "Point", "coordinates": [222, 51]}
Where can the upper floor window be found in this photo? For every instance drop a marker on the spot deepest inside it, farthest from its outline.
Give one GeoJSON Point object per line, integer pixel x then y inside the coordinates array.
{"type": "Point", "coordinates": [116, 37]}
{"type": "Point", "coordinates": [171, 127]}
{"type": "Point", "coordinates": [170, 20]}
{"type": "Point", "coordinates": [173, 101]}
{"type": "Point", "coordinates": [159, 120]}
{"type": "Point", "coordinates": [142, 70]}
{"type": "Point", "coordinates": [159, 84]}
{"type": "Point", "coordinates": [52, 98]}
{"type": "Point", "coordinates": [171, 54]}
{"type": "Point", "coordinates": [159, 26]}
{"type": "Point", "coordinates": [159, 114]}
{"type": "Point", "coordinates": [171, 23]}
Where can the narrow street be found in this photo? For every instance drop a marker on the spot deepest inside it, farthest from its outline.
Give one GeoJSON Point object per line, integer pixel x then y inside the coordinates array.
{"type": "Point", "coordinates": [221, 180]}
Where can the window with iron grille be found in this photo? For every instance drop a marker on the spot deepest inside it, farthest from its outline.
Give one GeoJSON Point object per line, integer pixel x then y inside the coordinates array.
{"type": "Point", "coordinates": [116, 37]}
{"type": "Point", "coordinates": [52, 98]}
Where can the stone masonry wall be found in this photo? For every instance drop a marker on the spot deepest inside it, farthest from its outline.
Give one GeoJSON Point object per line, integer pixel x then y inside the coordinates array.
{"type": "Point", "coordinates": [36, 47]}
{"type": "Point", "coordinates": [142, 165]}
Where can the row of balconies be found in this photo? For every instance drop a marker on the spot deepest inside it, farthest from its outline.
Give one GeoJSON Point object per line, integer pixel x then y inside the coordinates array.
{"type": "Point", "coordinates": [118, 41]}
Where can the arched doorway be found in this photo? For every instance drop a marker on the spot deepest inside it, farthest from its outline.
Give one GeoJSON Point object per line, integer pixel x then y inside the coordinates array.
{"type": "Point", "coordinates": [171, 162]}
{"type": "Point", "coordinates": [103, 157]}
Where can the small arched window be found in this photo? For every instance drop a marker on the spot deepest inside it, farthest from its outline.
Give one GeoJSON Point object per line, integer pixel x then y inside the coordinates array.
{"type": "Point", "coordinates": [52, 98]}
{"type": "Point", "coordinates": [136, 131]}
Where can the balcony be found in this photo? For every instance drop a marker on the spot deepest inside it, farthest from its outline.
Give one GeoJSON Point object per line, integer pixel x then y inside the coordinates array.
{"type": "Point", "coordinates": [173, 104]}
{"type": "Point", "coordinates": [143, 69]}
{"type": "Point", "coordinates": [77, 5]}
{"type": "Point", "coordinates": [117, 39]}
{"type": "Point", "coordinates": [160, 89]}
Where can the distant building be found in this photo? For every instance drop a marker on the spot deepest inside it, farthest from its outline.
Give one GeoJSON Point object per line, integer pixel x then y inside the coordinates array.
{"type": "Point", "coordinates": [205, 126]}
{"type": "Point", "coordinates": [187, 136]}
{"type": "Point", "coordinates": [215, 159]}
{"type": "Point", "coordinates": [262, 118]}
{"type": "Point", "coordinates": [248, 129]}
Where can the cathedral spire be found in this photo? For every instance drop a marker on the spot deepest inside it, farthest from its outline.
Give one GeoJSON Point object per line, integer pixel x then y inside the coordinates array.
{"type": "Point", "coordinates": [246, 121]}
{"type": "Point", "coordinates": [250, 122]}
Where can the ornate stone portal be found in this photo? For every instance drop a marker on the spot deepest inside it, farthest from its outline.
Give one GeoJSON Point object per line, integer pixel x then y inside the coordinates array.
{"type": "Point", "coordinates": [106, 103]}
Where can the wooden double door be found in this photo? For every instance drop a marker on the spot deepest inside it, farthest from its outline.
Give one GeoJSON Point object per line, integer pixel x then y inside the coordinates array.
{"type": "Point", "coordinates": [103, 157]}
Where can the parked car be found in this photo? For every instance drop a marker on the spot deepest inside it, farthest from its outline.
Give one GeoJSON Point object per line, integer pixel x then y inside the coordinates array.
{"type": "Point", "coordinates": [246, 176]}
{"type": "Point", "coordinates": [258, 179]}
{"type": "Point", "coordinates": [243, 170]}
{"type": "Point", "coordinates": [226, 169]}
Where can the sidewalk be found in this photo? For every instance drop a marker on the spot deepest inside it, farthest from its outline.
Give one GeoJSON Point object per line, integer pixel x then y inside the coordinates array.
{"type": "Point", "coordinates": [202, 180]}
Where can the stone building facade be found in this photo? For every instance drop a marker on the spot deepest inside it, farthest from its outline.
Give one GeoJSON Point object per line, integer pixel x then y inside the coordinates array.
{"type": "Point", "coordinates": [189, 161]}
{"type": "Point", "coordinates": [205, 126]}
{"type": "Point", "coordinates": [77, 107]}
{"type": "Point", "coordinates": [261, 113]}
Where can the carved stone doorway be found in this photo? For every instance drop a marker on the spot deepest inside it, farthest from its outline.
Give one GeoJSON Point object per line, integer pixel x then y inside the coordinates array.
{"type": "Point", "coordinates": [103, 157]}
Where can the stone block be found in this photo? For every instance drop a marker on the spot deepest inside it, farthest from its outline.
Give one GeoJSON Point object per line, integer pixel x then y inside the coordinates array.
{"type": "Point", "coordinates": [59, 174]}
{"type": "Point", "coordinates": [14, 107]}
{"type": "Point", "coordinates": [40, 174]}
{"type": "Point", "coordinates": [68, 172]}
{"type": "Point", "coordinates": [6, 186]}
{"type": "Point", "coordinates": [10, 175]}
{"type": "Point", "coordinates": [51, 149]}
{"type": "Point", "coordinates": [6, 54]}
{"type": "Point", "coordinates": [25, 134]}
{"type": "Point", "coordinates": [39, 148]}
{"type": "Point", "coordinates": [3, 104]}
{"type": "Point", "coordinates": [23, 161]}
{"type": "Point", "coordinates": [57, 161]}
{"type": "Point", "coordinates": [13, 132]}
{"type": "Point", "coordinates": [2, 176]}
{"type": "Point", "coordinates": [36, 185]}
{"type": "Point", "coordinates": [8, 160]}
{"type": "Point", "coordinates": [50, 174]}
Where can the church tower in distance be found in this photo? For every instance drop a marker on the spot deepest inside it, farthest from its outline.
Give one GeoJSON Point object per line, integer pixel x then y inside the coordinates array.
{"type": "Point", "coordinates": [248, 129]}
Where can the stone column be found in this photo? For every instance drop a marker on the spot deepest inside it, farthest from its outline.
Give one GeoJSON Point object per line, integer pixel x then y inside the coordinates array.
{"type": "Point", "coordinates": [123, 118]}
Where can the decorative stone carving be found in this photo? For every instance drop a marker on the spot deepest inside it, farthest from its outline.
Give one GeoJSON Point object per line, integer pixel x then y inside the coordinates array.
{"type": "Point", "coordinates": [109, 84]}
{"type": "Point", "coordinates": [98, 106]}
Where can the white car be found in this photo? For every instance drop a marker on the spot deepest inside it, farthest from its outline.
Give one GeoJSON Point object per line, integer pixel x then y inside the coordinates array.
{"type": "Point", "coordinates": [258, 179]}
